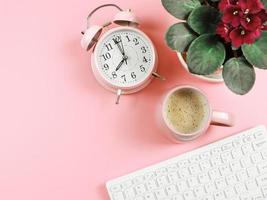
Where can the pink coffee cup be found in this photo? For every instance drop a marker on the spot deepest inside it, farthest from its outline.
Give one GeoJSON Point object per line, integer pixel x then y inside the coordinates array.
{"type": "Point", "coordinates": [211, 117]}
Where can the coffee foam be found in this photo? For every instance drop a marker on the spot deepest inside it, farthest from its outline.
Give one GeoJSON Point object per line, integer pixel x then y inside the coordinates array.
{"type": "Point", "coordinates": [186, 110]}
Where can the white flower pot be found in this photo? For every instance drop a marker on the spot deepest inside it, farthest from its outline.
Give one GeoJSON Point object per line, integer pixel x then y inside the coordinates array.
{"type": "Point", "coordinates": [215, 77]}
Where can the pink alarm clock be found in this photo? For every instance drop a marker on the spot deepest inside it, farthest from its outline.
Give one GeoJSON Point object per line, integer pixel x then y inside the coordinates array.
{"type": "Point", "coordinates": [124, 59]}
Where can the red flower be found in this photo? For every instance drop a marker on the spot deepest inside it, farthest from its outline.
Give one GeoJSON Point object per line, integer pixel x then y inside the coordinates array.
{"type": "Point", "coordinates": [251, 6]}
{"type": "Point", "coordinates": [224, 30]}
{"type": "Point", "coordinates": [242, 21]}
{"type": "Point", "coordinates": [240, 36]}
{"type": "Point", "coordinates": [224, 3]}
{"type": "Point", "coordinates": [251, 22]}
{"type": "Point", "coordinates": [232, 15]}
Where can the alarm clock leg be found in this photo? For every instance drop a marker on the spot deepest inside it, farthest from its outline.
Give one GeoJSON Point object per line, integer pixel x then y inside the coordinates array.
{"type": "Point", "coordinates": [156, 75]}
{"type": "Point", "coordinates": [118, 96]}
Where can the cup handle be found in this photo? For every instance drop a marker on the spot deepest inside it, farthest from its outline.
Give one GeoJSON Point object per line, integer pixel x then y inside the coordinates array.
{"type": "Point", "coordinates": [222, 119]}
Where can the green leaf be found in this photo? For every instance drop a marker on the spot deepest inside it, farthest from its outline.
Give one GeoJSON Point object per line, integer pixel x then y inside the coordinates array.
{"type": "Point", "coordinates": [179, 37]}
{"type": "Point", "coordinates": [180, 8]}
{"type": "Point", "coordinates": [265, 3]}
{"type": "Point", "coordinates": [205, 54]}
{"type": "Point", "coordinates": [256, 53]}
{"type": "Point", "coordinates": [204, 19]}
{"type": "Point", "coordinates": [239, 75]}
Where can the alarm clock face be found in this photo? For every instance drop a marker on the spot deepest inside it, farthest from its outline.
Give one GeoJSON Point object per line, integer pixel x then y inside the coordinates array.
{"type": "Point", "coordinates": [125, 57]}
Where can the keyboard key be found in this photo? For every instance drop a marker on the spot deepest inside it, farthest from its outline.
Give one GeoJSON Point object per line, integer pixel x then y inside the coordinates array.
{"type": "Point", "coordinates": [118, 196]}
{"type": "Point", "coordinates": [182, 186]}
{"type": "Point", "coordinates": [264, 190]}
{"type": "Point", "coordinates": [220, 183]}
{"type": "Point", "coordinates": [160, 193]}
{"type": "Point", "coordinates": [205, 165]}
{"type": "Point", "coordinates": [162, 181]}
{"type": "Point", "coordinates": [259, 135]}
{"type": "Point", "coordinates": [235, 166]}
{"type": "Point", "coordinates": [231, 179]}
{"type": "Point", "coordinates": [227, 146]}
{"type": "Point", "coordinates": [177, 197]}
{"type": "Point", "coordinates": [237, 153]}
{"type": "Point", "coordinates": [151, 184]}
{"type": "Point", "coordinates": [251, 184]}
{"type": "Point", "coordinates": [264, 154]}
{"type": "Point", "coordinates": [216, 151]}
{"type": "Point", "coordinates": [139, 198]}
{"type": "Point", "coordinates": [161, 171]}
{"type": "Point", "coordinates": [256, 158]}
{"type": "Point", "coordinates": [225, 170]}
{"type": "Point", "coordinates": [230, 192]}
{"type": "Point", "coordinates": [205, 155]}
{"type": "Point", "coordinates": [194, 159]}
{"type": "Point", "coordinates": [126, 184]}
{"type": "Point", "coordinates": [194, 169]}
{"type": "Point", "coordinates": [260, 144]}
{"type": "Point", "coordinates": [262, 167]}
{"type": "Point", "coordinates": [140, 189]}
{"type": "Point", "coordinates": [150, 175]}
{"type": "Point", "coordinates": [246, 162]}
{"type": "Point", "coordinates": [262, 180]}
{"type": "Point", "coordinates": [192, 181]}
{"type": "Point", "coordinates": [183, 173]}
{"type": "Point", "coordinates": [216, 160]}
{"type": "Point", "coordinates": [209, 197]}
{"type": "Point", "coordinates": [219, 195]}
{"type": "Point", "coordinates": [226, 157]}
{"type": "Point", "coordinates": [199, 191]}
{"type": "Point", "coordinates": [252, 171]}
{"type": "Point", "coordinates": [189, 195]}
{"type": "Point", "coordinates": [173, 176]}
{"type": "Point", "coordinates": [149, 196]}
{"type": "Point", "coordinates": [138, 179]}
{"type": "Point", "coordinates": [214, 173]}
{"type": "Point", "coordinates": [242, 175]}
{"type": "Point", "coordinates": [240, 188]}
{"type": "Point", "coordinates": [210, 187]}
{"type": "Point", "coordinates": [129, 193]}
{"type": "Point", "coordinates": [172, 168]}
{"type": "Point", "coordinates": [171, 190]}
{"type": "Point", "coordinates": [115, 188]}
{"type": "Point", "coordinates": [247, 149]}
{"type": "Point", "coordinates": [183, 163]}
{"type": "Point", "coordinates": [203, 178]}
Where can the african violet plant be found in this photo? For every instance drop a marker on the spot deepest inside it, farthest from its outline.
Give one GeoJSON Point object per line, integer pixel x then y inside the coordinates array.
{"type": "Point", "coordinates": [214, 33]}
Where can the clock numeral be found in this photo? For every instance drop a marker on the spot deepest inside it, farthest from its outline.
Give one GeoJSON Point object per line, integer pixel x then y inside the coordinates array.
{"type": "Point", "coordinates": [109, 46]}
{"type": "Point", "coordinates": [128, 38]}
{"type": "Point", "coordinates": [133, 75]}
{"type": "Point", "coordinates": [123, 77]}
{"type": "Point", "coordinates": [135, 40]}
{"type": "Point", "coordinates": [106, 67]}
{"type": "Point", "coordinates": [143, 49]}
{"type": "Point", "coordinates": [106, 56]}
{"type": "Point", "coordinates": [117, 39]}
{"type": "Point", "coordinates": [142, 68]}
{"type": "Point", "coordinates": [145, 59]}
{"type": "Point", "coordinates": [114, 75]}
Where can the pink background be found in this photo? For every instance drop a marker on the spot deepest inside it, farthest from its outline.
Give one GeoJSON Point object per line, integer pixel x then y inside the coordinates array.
{"type": "Point", "coordinates": [61, 136]}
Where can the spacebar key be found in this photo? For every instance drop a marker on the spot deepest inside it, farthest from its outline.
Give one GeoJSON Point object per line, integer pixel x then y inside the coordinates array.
{"type": "Point", "coordinates": [262, 180]}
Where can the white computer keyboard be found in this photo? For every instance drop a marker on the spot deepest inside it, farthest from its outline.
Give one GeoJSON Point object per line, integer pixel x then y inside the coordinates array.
{"type": "Point", "coordinates": [234, 168]}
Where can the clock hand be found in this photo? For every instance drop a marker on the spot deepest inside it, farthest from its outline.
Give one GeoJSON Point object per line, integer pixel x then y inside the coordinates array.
{"type": "Point", "coordinates": [120, 64]}
{"type": "Point", "coordinates": [117, 43]}
{"type": "Point", "coordinates": [123, 51]}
